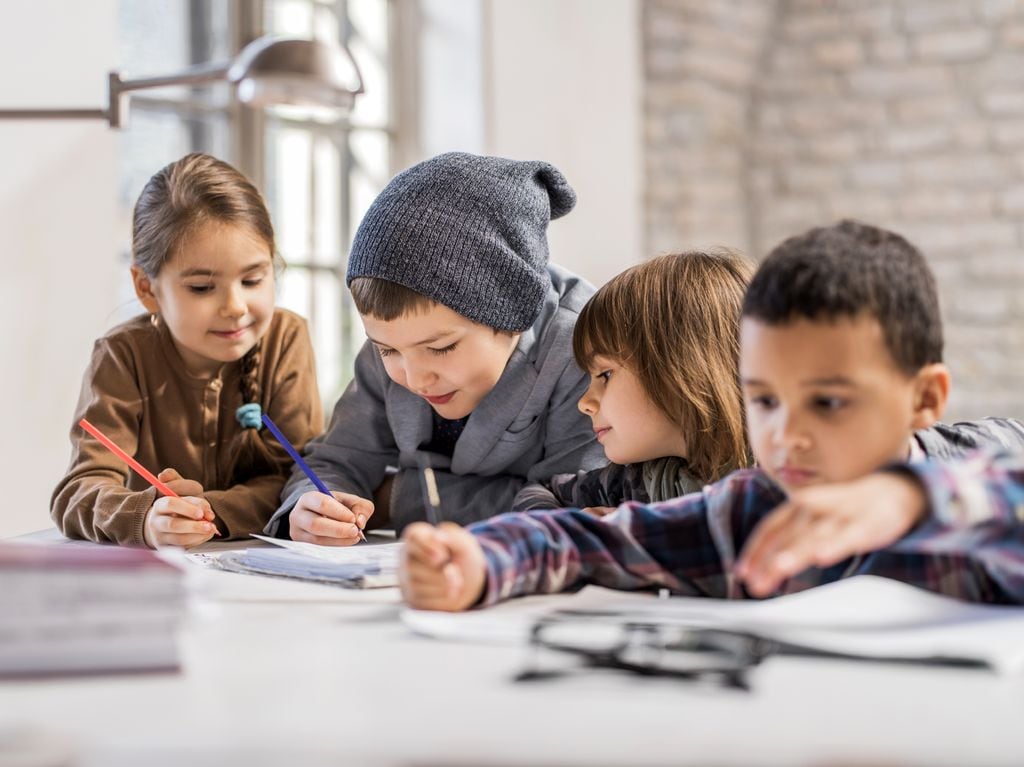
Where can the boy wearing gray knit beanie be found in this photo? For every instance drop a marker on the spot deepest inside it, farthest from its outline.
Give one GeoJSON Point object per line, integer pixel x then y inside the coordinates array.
{"type": "Point", "coordinates": [468, 366]}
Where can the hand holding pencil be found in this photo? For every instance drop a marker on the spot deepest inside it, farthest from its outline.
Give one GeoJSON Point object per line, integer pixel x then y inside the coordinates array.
{"type": "Point", "coordinates": [442, 565]}
{"type": "Point", "coordinates": [172, 520]}
{"type": "Point", "coordinates": [183, 519]}
{"type": "Point", "coordinates": [320, 516]}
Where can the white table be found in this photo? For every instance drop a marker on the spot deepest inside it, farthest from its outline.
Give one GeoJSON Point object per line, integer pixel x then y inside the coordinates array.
{"type": "Point", "coordinates": [276, 672]}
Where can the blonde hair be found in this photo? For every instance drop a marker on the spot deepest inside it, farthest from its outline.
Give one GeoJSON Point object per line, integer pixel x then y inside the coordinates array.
{"type": "Point", "coordinates": [673, 321]}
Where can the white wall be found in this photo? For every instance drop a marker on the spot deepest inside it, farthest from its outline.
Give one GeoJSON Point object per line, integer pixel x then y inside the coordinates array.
{"type": "Point", "coordinates": [545, 80]}
{"type": "Point", "coordinates": [563, 84]}
{"type": "Point", "coordinates": [58, 218]}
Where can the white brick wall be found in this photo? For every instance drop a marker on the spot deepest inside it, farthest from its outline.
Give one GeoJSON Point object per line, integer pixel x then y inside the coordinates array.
{"type": "Point", "coordinates": [767, 117]}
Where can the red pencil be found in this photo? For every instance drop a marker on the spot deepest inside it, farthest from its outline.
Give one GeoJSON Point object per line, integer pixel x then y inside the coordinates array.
{"type": "Point", "coordinates": [139, 468]}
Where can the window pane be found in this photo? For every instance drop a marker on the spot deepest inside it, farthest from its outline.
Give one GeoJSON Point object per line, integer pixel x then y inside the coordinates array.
{"type": "Point", "coordinates": [321, 177]}
{"type": "Point", "coordinates": [156, 138]}
{"type": "Point", "coordinates": [289, 176]}
{"type": "Point", "coordinates": [368, 30]}
{"type": "Point", "coordinates": [162, 36]}
{"type": "Point", "coordinates": [327, 223]}
{"type": "Point", "coordinates": [369, 172]}
{"type": "Point", "coordinates": [294, 291]}
{"type": "Point", "coordinates": [328, 335]}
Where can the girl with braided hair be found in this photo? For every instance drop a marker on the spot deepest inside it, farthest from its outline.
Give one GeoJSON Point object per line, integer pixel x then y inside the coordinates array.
{"type": "Point", "coordinates": [183, 387]}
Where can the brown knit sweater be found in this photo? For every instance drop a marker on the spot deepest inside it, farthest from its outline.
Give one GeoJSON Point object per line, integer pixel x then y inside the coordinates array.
{"type": "Point", "coordinates": [138, 392]}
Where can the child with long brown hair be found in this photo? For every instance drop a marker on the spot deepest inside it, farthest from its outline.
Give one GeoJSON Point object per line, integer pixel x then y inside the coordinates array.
{"type": "Point", "coordinates": [182, 388]}
{"type": "Point", "coordinates": [661, 344]}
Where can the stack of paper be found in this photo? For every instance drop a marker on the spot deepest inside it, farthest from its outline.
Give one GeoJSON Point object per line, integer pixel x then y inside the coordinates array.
{"type": "Point", "coordinates": [71, 609]}
{"type": "Point", "coordinates": [361, 566]}
{"type": "Point", "coordinates": [864, 617]}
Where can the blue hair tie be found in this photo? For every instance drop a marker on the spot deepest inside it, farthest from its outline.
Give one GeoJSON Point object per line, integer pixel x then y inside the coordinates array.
{"type": "Point", "coordinates": [250, 416]}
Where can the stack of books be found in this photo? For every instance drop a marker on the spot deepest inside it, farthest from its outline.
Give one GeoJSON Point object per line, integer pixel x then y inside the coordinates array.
{"type": "Point", "coordinates": [87, 609]}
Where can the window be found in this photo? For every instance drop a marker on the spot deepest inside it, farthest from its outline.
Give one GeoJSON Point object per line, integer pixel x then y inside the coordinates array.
{"type": "Point", "coordinates": [318, 178]}
{"type": "Point", "coordinates": [321, 178]}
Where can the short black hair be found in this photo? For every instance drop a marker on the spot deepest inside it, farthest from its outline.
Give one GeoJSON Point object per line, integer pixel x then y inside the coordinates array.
{"type": "Point", "coordinates": [846, 270]}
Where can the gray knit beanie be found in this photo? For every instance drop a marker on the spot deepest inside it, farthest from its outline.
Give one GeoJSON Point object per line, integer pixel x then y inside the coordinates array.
{"type": "Point", "coordinates": [469, 232]}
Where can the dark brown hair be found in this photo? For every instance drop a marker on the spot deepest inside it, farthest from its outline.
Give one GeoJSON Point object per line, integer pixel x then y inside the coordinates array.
{"type": "Point", "coordinates": [386, 300]}
{"type": "Point", "coordinates": [175, 204]}
{"type": "Point", "coordinates": [847, 270]}
{"type": "Point", "coordinates": [673, 321]}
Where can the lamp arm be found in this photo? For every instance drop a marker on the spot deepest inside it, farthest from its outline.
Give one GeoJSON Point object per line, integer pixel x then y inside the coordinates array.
{"type": "Point", "coordinates": [44, 114]}
{"type": "Point", "coordinates": [117, 111]}
{"type": "Point", "coordinates": [197, 75]}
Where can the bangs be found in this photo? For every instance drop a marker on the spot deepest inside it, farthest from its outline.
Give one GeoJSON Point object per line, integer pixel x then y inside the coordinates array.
{"type": "Point", "coordinates": [595, 337]}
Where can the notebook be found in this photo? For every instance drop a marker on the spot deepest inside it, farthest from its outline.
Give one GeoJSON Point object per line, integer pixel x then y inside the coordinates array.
{"type": "Point", "coordinates": [364, 566]}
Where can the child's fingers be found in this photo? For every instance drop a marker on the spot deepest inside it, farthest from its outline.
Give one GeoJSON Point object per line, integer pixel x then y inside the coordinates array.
{"type": "Point", "coordinates": [327, 506]}
{"type": "Point", "coordinates": [189, 508]}
{"type": "Point", "coordinates": [431, 583]}
{"type": "Point", "coordinates": [310, 527]}
{"type": "Point", "coordinates": [322, 527]}
{"type": "Point", "coordinates": [361, 507]}
{"type": "Point", "coordinates": [454, 581]}
{"type": "Point", "coordinates": [305, 537]}
{"type": "Point", "coordinates": [796, 548]}
{"type": "Point", "coordinates": [186, 487]}
{"type": "Point", "coordinates": [764, 540]}
{"type": "Point", "coordinates": [172, 523]}
{"type": "Point", "coordinates": [179, 484]}
{"type": "Point", "coordinates": [182, 541]}
{"type": "Point", "coordinates": [457, 542]}
{"type": "Point", "coordinates": [431, 594]}
{"type": "Point", "coordinates": [425, 544]}
{"type": "Point", "coordinates": [202, 503]}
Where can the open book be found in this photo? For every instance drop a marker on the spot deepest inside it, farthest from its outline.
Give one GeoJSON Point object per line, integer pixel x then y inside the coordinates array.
{"type": "Point", "coordinates": [865, 617]}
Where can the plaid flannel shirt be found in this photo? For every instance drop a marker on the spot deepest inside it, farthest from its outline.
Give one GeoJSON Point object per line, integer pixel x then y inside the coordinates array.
{"type": "Point", "coordinates": [969, 546]}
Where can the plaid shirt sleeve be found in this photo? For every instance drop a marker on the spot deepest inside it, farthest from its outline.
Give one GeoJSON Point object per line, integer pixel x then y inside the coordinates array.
{"type": "Point", "coordinates": [971, 547]}
{"type": "Point", "coordinates": [677, 544]}
{"type": "Point", "coordinates": [985, 487]}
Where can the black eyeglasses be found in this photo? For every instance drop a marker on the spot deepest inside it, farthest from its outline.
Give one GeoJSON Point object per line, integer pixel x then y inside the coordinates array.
{"type": "Point", "coordinates": [609, 640]}
{"type": "Point", "coordinates": [649, 649]}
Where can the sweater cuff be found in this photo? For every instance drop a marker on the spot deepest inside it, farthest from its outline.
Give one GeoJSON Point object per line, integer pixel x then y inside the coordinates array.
{"type": "Point", "coordinates": [144, 501]}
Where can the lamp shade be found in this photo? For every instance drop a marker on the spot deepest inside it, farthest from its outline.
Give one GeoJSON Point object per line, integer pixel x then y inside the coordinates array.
{"type": "Point", "coordinates": [295, 71]}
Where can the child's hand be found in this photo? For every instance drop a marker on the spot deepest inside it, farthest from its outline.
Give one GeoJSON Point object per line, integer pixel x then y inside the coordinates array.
{"type": "Point", "coordinates": [186, 521]}
{"type": "Point", "coordinates": [329, 521]}
{"type": "Point", "coordinates": [183, 487]}
{"type": "Point", "coordinates": [820, 526]}
{"type": "Point", "coordinates": [600, 511]}
{"type": "Point", "coordinates": [442, 567]}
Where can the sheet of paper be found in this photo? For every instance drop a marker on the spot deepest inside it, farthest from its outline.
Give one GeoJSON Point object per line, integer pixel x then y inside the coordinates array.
{"type": "Point", "coordinates": [385, 554]}
{"type": "Point", "coordinates": [865, 616]}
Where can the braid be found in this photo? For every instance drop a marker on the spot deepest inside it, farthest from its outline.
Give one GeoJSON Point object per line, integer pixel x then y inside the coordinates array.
{"type": "Point", "coordinates": [248, 383]}
{"type": "Point", "coordinates": [251, 454]}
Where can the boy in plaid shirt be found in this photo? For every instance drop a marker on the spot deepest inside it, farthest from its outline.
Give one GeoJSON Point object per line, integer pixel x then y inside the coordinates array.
{"type": "Point", "coordinates": [841, 368]}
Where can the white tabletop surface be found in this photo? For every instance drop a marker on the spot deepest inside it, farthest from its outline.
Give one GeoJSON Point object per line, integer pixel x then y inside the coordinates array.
{"type": "Point", "coordinates": [276, 672]}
